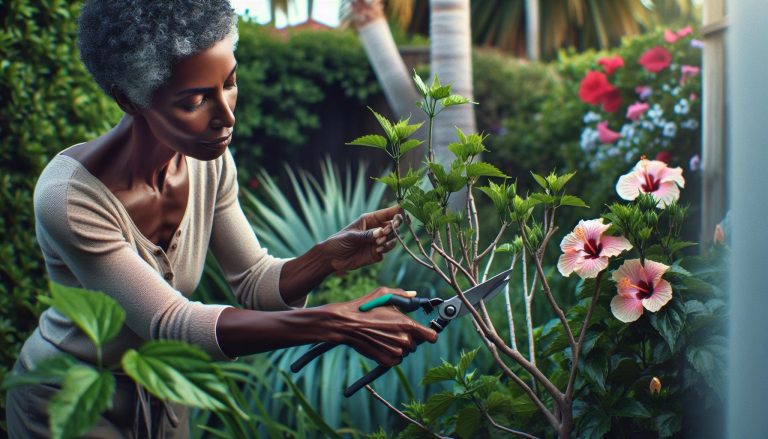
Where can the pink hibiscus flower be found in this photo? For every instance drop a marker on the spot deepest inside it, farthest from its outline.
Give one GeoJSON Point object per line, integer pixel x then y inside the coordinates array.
{"type": "Point", "coordinates": [586, 250]}
{"type": "Point", "coordinates": [605, 134]}
{"type": "Point", "coordinates": [688, 72]}
{"type": "Point", "coordinates": [652, 177]}
{"type": "Point", "coordinates": [611, 64]}
{"type": "Point", "coordinates": [639, 286]}
{"type": "Point", "coordinates": [655, 59]}
{"type": "Point", "coordinates": [670, 36]}
{"type": "Point", "coordinates": [636, 110]}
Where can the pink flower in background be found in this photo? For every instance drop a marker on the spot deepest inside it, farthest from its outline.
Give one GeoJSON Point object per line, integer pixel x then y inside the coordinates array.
{"type": "Point", "coordinates": [611, 64]}
{"type": "Point", "coordinates": [636, 110]}
{"type": "Point", "coordinates": [652, 177]}
{"type": "Point", "coordinates": [655, 59]}
{"type": "Point", "coordinates": [684, 32]}
{"type": "Point", "coordinates": [693, 97]}
{"type": "Point", "coordinates": [586, 250]}
{"type": "Point", "coordinates": [670, 36]}
{"type": "Point", "coordinates": [664, 156]}
{"type": "Point", "coordinates": [688, 72]}
{"type": "Point", "coordinates": [643, 92]}
{"type": "Point", "coordinates": [639, 286]}
{"type": "Point", "coordinates": [605, 134]}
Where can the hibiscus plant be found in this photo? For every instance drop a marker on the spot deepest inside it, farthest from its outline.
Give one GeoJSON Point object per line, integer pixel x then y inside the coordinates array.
{"type": "Point", "coordinates": [616, 357]}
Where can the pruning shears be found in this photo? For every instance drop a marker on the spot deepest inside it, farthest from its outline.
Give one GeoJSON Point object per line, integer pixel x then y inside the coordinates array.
{"type": "Point", "coordinates": [447, 311]}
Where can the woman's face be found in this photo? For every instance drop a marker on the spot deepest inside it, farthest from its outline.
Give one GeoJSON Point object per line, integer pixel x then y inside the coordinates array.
{"type": "Point", "coordinates": [193, 113]}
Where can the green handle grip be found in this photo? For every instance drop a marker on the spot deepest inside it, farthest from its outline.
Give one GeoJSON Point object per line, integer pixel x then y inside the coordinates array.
{"type": "Point", "coordinates": [379, 301]}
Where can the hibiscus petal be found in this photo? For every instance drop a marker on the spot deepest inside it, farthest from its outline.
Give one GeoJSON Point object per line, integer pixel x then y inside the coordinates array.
{"type": "Point", "coordinates": [591, 229]}
{"type": "Point", "coordinates": [628, 186]}
{"type": "Point", "coordinates": [662, 293]}
{"type": "Point", "coordinates": [672, 174]}
{"type": "Point", "coordinates": [632, 269]}
{"type": "Point", "coordinates": [614, 245]}
{"type": "Point", "coordinates": [571, 243]}
{"type": "Point", "coordinates": [625, 288]}
{"type": "Point", "coordinates": [626, 309]}
{"type": "Point", "coordinates": [653, 271]}
{"type": "Point", "coordinates": [568, 262]}
{"type": "Point", "coordinates": [591, 266]}
{"type": "Point", "coordinates": [666, 194]}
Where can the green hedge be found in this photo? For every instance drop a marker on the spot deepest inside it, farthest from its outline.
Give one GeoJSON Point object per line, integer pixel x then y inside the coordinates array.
{"type": "Point", "coordinates": [47, 102]}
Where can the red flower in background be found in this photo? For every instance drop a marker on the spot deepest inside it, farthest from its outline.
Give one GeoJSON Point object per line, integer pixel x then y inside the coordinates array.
{"type": "Point", "coordinates": [664, 156]}
{"type": "Point", "coordinates": [655, 59]}
{"type": "Point", "coordinates": [595, 89]}
{"type": "Point", "coordinates": [611, 64]}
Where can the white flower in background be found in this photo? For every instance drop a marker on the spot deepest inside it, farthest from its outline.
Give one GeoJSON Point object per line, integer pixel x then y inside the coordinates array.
{"type": "Point", "coordinates": [682, 107]}
{"type": "Point", "coordinates": [589, 139]}
{"type": "Point", "coordinates": [648, 125]}
{"type": "Point", "coordinates": [655, 113]}
{"type": "Point", "coordinates": [690, 124]}
{"type": "Point", "coordinates": [675, 91]}
{"type": "Point", "coordinates": [591, 117]}
{"type": "Point", "coordinates": [670, 129]}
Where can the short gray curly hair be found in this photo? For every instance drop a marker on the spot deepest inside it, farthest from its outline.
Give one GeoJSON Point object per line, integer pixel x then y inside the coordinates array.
{"type": "Point", "coordinates": [132, 44]}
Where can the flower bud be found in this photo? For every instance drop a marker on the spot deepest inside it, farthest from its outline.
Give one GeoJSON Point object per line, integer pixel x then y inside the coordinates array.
{"type": "Point", "coordinates": [655, 386]}
{"type": "Point", "coordinates": [719, 237]}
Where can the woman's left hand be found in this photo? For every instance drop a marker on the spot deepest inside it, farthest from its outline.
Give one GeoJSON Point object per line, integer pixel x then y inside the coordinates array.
{"type": "Point", "coordinates": [364, 241]}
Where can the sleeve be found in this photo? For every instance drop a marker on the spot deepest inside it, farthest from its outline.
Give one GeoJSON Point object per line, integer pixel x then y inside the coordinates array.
{"type": "Point", "coordinates": [252, 273]}
{"type": "Point", "coordinates": [88, 238]}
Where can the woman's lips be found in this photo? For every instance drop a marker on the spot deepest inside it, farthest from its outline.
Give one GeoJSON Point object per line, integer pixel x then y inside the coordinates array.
{"type": "Point", "coordinates": [218, 143]}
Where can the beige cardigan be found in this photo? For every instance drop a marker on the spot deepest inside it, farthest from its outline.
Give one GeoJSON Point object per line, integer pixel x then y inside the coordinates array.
{"type": "Point", "coordinates": [88, 240]}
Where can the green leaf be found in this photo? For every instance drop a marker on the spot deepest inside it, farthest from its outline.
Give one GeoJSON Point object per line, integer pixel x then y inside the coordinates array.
{"type": "Point", "coordinates": [710, 361]}
{"type": "Point", "coordinates": [403, 130]}
{"type": "Point", "coordinates": [630, 408]}
{"type": "Point", "coordinates": [52, 370]}
{"type": "Point", "coordinates": [595, 370]}
{"type": "Point", "coordinates": [543, 198]}
{"type": "Point", "coordinates": [390, 180]}
{"type": "Point", "coordinates": [669, 321]}
{"type": "Point", "coordinates": [181, 373]}
{"type": "Point", "coordinates": [409, 145]}
{"type": "Point", "coordinates": [482, 169]}
{"type": "Point", "coordinates": [420, 85]}
{"type": "Point", "coordinates": [594, 423]}
{"type": "Point", "coordinates": [560, 182]}
{"type": "Point", "coordinates": [469, 422]}
{"type": "Point", "coordinates": [668, 424]}
{"type": "Point", "coordinates": [371, 140]}
{"type": "Point", "coordinates": [389, 129]}
{"type": "Point", "coordinates": [438, 404]}
{"type": "Point", "coordinates": [99, 316]}
{"type": "Point", "coordinates": [313, 415]}
{"type": "Point", "coordinates": [453, 100]}
{"type": "Point", "coordinates": [571, 200]}
{"type": "Point", "coordinates": [444, 372]}
{"type": "Point", "coordinates": [83, 397]}
{"type": "Point", "coordinates": [466, 360]}
{"type": "Point", "coordinates": [540, 180]}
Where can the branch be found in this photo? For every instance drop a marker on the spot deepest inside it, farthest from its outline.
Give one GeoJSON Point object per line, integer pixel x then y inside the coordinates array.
{"type": "Point", "coordinates": [413, 255]}
{"type": "Point", "coordinates": [582, 333]}
{"type": "Point", "coordinates": [498, 426]}
{"type": "Point", "coordinates": [403, 415]}
{"type": "Point", "coordinates": [455, 264]}
{"type": "Point", "coordinates": [493, 244]}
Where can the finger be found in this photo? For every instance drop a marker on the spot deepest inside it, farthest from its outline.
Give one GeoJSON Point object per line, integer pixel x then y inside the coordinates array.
{"type": "Point", "coordinates": [379, 217]}
{"type": "Point", "coordinates": [388, 246]}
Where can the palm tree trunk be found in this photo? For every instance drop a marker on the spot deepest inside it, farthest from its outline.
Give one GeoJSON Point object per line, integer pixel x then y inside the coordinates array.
{"type": "Point", "coordinates": [533, 29]}
{"type": "Point", "coordinates": [451, 60]}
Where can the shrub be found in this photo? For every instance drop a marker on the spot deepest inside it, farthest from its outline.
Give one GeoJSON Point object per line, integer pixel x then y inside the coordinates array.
{"type": "Point", "coordinates": [47, 102]}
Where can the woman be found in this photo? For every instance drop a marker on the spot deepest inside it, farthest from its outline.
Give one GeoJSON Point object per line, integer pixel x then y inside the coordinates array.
{"type": "Point", "coordinates": [134, 212]}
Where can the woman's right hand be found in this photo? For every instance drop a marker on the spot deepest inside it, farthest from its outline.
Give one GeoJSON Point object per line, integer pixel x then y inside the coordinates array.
{"type": "Point", "coordinates": [383, 334]}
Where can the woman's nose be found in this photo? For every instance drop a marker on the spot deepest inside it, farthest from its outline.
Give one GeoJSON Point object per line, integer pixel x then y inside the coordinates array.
{"type": "Point", "coordinates": [224, 115]}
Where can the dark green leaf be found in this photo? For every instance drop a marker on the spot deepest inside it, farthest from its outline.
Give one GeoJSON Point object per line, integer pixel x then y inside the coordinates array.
{"type": "Point", "coordinates": [50, 371]}
{"type": "Point", "coordinates": [668, 424]}
{"type": "Point", "coordinates": [669, 321]}
{"type": "Point", "coordinates": [444, 372]}
{"type": "Point", "coordinates": [99, 316]}
{"type": "Point", "coordinates": [630, 408]}
{"type": "Point", "coordinates": [181, 373]}
{"type": "Point", "coordinates": [469, 420]}
{"type": "Point", "coordinates": [84, 395]}
{"type": "Point", "coordinates": [594, 424]}
{"type": "Point", "coordinates": [438, 404]}
{"type": "Point", "coordinates": [594, 369]}
{"type": "Point", "coordinates": [710, 361]}
{"type": "Point", "coordinates": [466, 360]}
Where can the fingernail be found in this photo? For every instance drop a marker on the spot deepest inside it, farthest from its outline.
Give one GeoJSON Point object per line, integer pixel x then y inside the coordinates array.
{"type": "Point", "coordinates": [380, 249]}
{"type": "Point", "coordinates": [377, 232]}
{"type": "Point", "coordinates": [410, 293]}
{"type": "Point", "coordinates": [381, 240]}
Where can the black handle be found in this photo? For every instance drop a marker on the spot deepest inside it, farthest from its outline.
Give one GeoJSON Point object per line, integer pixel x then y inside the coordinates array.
{"type": "Point", "coordinates": [365, 380]}
{"type": "Point", "coordinates": [314, 352]}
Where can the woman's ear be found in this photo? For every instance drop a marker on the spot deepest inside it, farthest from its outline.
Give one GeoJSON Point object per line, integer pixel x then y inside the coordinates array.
{"type": "Point", "coordinates": [123, 101]}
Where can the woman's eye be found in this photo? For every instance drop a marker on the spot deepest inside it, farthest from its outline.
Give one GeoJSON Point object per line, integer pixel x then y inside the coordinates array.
{"type": "Point", "coordinates": [230, 86]}
{"type": "Point", "coordinates": [195, 105]}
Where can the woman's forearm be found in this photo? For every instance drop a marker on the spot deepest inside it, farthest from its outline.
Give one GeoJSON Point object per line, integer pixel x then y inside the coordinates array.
{"type": "Point", "coordinates": [301, 275]}
{"type": "Point", "coordinates": [244, 332]}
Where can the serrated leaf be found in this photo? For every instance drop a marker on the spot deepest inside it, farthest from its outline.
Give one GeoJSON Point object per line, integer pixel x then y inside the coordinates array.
{"type": "Point", "coordinates": [385, 124]}
{"type": "Point", "coordinates": [560, 182]}
{"type": "Point", "coordinates": [371, 140]}
{"type": "Point", "coordinates": [403, 130]}
{"type": "Point", "coordinates": [540, 180]}
{"type": "Point", "coordinates": [543, 198]}
{"type": "Point", "coordinates": [438, 404]}
{"type": "Point", "coordinates": [571, 200]}
{"type": "Point", "coordinates": [77, 407]}
{"type": "Point", "coordinates": [669, 321]}
{"type": "Point", "coordinates": [420, 85]}
{"type": "Point", "coordinates": [595, 423]}
{"type": "Point", "coordinates": [409, 145]}
{"type": "Point", "coordinates": [390, 180]}
{"type": "Point", "coordinates": [469, 421]}
{"type": "Point", "coordinates": [595, 370]}
{"type": "Point", "coordinates": [668, 424]}
{"type": "Point", "coordinates": [710, 361]}
{"type": "Point", "coordinates": [99, 316]}
{"type": "Point", "coordinates": [466, 360]}
{"type": "Point", "coordinates": [453, 100]}
{"type": "Point", "coordinates": [482, 169]}
{"type": "Point", "coordinates": [52, 370]}
{"type": "Point", "coordinates": [181, 373]}
{"type": "Point", "coordinates": [444, 372]}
